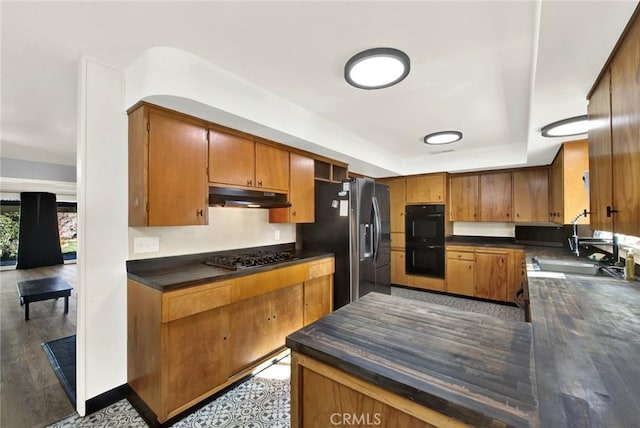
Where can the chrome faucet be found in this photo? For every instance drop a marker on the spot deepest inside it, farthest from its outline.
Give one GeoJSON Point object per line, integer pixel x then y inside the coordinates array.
{"type": "Point", "coordinates": [574, 241]}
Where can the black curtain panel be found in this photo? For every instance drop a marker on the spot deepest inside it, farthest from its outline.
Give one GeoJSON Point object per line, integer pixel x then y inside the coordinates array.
{"type": "Point", "coordinates": [39, 240]}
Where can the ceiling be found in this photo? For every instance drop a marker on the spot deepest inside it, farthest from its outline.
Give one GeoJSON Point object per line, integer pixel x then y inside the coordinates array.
{"type": "Point", "coordinates": [497, 71]}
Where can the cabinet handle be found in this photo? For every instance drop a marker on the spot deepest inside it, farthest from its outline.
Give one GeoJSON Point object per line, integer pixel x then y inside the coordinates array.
{"type": "Point", "coordinates": [610, 211]}
{"type": "Point", "coordinates": [199, 213]}
{"type": "Point", "coordinates": [507, 214]}
{"type": "Point", "coordinates": [517, 214]}
{"type": "Point", "coordinates": [293, 213]}
{"type": "Point", "coordinates": [260, 183]}
{"type": "Point", "coordinates": [249, 182]}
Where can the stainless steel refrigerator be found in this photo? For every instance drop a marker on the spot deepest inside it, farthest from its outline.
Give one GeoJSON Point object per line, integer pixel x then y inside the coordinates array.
{"type": "Point", "coordinates": [352, 221]}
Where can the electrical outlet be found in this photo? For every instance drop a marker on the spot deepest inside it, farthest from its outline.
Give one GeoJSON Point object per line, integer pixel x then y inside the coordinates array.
{"type": "Point", "coordinates": [148, 244]}
{"type": "Point", "coordinates": [276, 235]}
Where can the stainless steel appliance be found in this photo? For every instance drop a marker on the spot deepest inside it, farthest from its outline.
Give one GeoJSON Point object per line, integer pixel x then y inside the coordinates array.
{"type": "Point", "coordinates": [352, 221]}
{"type": "Point", "coordinates": [424, 240]}
{"type": "Point", "coordinates": [244, 260]}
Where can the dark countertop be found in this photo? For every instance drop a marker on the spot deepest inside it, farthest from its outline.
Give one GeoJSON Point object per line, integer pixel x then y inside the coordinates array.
{"type": "Point", "coordinates": [172, 273]}
{"type": "Point", "coordinates": [586, 332]}
{"type": "Point", "coordinates": [583, 344]}
{"type": "Point", "coordinates": [482, 241]}
{"type": "Point", "coordinates": [472, 367]}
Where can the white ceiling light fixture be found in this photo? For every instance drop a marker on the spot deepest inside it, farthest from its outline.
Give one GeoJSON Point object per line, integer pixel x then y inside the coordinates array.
{"type": "Point", "coordinates": [443, 137]}
{"type": "Point", "coordinates": [377, 68]}
{"type": "Point", "coordinates": [567, 127]}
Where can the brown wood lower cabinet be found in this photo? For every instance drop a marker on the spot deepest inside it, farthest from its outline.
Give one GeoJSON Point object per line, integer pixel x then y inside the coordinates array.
{"type": "Point", "coordinates": [323, 396]}
{"type": "Point", "coordinates": [488, 272]}
{"type": "Point", "coordinates": [492, 274]}
{"type": "Point", "coordinates": [185, 345]}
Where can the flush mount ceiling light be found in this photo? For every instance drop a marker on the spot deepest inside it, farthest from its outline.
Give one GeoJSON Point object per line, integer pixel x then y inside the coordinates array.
{"type": "Point", "coordinates": [567, 127]}
{"type": "Point", "coordinates": [443, 137]}
{"type": "Point", "coordinates": [377, 68]}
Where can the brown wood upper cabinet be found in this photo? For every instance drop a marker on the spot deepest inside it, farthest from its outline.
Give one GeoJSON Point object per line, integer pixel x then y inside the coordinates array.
{"type": "Point", "coordinates": [495, 197]}
{"type": "Point", "coordinates": [614, 132]}
{"type": "Point", "coordinates": [397, 202]}
{"type": "Point", "coordinates": [567, 193]}
{"type": "Point", "coordinates": [463, 198]}
{"type": "Point", "coordinates": [167, 168]}
{"type": "Point", "coordinates": [480, 197]}
{"type": "Point", "coordinates": [301, 193]}
{"type": "Point", "coordinates": [427, 189]}
{"type": "Point", "coordinates": [531, 195]}
{"type": "Point", "coordinates": [239, 161]}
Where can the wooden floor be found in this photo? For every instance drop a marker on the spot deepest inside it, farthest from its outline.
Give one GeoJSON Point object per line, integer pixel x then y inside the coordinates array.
{"type": "Point", "coordinates": [30, 394]}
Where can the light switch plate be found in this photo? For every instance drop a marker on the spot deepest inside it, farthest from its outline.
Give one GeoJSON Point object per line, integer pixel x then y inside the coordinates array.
{"type": "Point", "coordinates": [276, 235]}
{"type": "Point", "coordinates": [147, 244]}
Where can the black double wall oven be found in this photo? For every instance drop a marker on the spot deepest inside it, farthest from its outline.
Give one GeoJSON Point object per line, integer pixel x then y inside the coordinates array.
{"type": "Point", "coordinates": [424, 245]}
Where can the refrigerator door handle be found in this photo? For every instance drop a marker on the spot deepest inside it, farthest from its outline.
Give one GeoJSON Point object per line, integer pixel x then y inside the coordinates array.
{"type": "Point", "coordinates": [378, 229]}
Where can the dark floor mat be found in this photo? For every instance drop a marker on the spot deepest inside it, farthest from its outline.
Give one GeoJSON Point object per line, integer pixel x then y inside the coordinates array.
{"type": "Point", "coordinates": [62, 356]}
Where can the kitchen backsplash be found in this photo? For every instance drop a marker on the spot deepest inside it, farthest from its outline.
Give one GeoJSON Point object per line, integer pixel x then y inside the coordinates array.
{"type": "Point", "coordinates": [461, 228]}
{"type": "Point", "coordinates": [228, 228]}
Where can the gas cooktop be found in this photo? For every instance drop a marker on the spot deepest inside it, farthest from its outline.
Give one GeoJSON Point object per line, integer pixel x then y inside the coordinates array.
{"type": "Point", "coordinates": [250, 259]}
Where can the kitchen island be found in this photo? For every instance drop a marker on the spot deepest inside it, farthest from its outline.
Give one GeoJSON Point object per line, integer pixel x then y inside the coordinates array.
{"type": "Point", "coordinates": [403, 363]}
{"type": "Point", "coordinates": [574, 365]}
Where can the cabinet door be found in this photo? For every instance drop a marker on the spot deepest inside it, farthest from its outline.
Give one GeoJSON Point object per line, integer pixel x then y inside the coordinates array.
{"type": "Point", "coordinates": [461, 276]}
{"type": "Point", "coordinates": [272, 167]}
{"type": "Point", "coordinates": [318, 296]}
{"type": "Point", "coordinates": [398, 268]}
{"type": "Point", "coordinates": [231, 159]}
{"type": "Point", "coordinates": [301, 189]}
{"type": "Point", "coordinates": [286, 316]}
{"type": "Point", "coordinates": [197, 351]}
{"type": "Point", "coordinates": [518, 270]}
{"type": "Point", "coordinates": [426, 188]}
{"type": "Point", "coordinates": [397, 202]}
{"type": "Point", "coordinates": [625, 134]}
{"type": "Point", "coordinates": [495, 197]}
{"type": "Point", "coordinates": [491, 274]}
{"type": "Point", "coordinates": [301, 193]}
{"type": "Point", "coordinates": [177, 171]}
{"type": "Point", "coordinates": [556, 207]}
{"type": "Point", "coordinates": [250, 331]}
{"type": "Point", "coordinates": [600, 171]}
{"type": "Point", "coordinates": [531, 195]}
{"type": "Point", "coordinates": [575, 164]}
{"type": "Point", "coordinates": [463, 198]}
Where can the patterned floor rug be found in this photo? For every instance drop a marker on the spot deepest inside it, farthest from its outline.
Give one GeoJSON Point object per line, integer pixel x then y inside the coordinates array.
{"type": "Point", "coordinates": [263, 401]}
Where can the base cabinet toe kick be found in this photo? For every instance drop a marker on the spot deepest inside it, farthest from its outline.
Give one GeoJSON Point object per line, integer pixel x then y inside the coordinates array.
{"type": "Point", "coordinates": [187, 344]}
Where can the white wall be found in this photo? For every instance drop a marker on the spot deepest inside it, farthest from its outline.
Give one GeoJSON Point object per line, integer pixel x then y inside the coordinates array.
{"type": "Point", "coordinates": [228, 228]}
{"type": "Point", "coordinates": [102, 231]}
{"type": "Point", "coordinates": [484, 229]}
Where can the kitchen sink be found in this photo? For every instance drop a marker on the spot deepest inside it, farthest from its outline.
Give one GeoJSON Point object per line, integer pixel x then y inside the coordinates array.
{"type": "Point", "coordinates": [576, 267]}
{"type": "Point", "coordinates": [568, 266]}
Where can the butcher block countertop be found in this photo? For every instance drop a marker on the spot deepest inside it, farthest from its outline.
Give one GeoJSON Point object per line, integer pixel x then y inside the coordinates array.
{"type": "Point", "coordinates": [586, 333]}
{"type": "Point", "coordinates": [577, 364]}
{"type": "Point", "coordinates": [472, 367]}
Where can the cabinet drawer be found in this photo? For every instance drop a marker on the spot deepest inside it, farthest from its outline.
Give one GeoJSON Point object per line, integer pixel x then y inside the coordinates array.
{"type": "Point", "coordinates": [320, 268]}
{"type": "Point", "coordinates": [183, 303]}
{"type": "Point", "coordinates": [460, 255]}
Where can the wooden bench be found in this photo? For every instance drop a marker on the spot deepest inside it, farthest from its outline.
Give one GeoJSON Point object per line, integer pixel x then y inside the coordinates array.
{"type": "Point", "coordinates": [35, 290]}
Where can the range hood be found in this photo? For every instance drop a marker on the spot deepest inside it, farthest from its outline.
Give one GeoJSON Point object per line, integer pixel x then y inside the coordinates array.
{"type": "Point", "coordinates": [227, 197]}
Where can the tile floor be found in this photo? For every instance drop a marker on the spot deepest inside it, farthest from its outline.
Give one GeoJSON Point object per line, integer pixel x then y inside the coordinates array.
{"type": "Point", "coordinates": [263, 400]}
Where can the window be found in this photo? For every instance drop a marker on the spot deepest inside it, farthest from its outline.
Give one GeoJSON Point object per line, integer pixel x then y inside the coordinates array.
{"type": "Point", "coordinates": [10, 226]}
